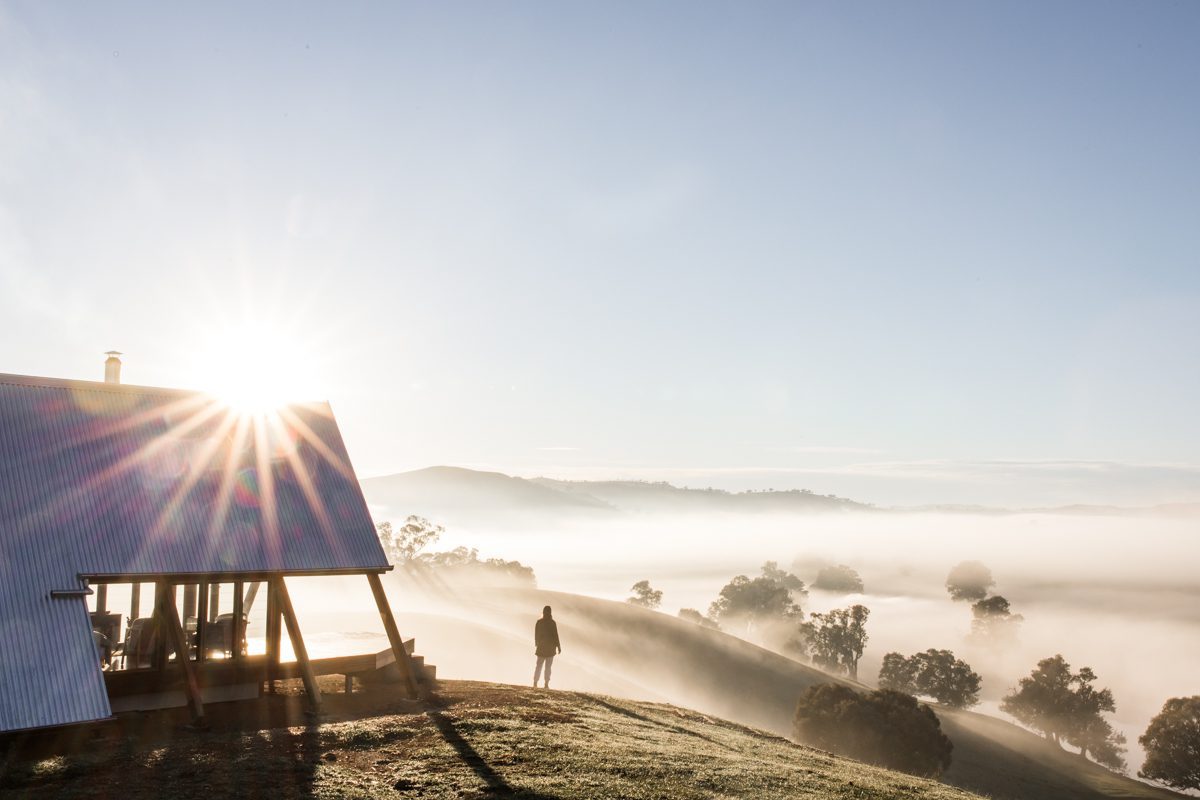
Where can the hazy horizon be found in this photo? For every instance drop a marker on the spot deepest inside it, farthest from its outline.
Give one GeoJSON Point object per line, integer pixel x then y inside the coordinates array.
{"type": "Point", "coordinates": [739, 481]}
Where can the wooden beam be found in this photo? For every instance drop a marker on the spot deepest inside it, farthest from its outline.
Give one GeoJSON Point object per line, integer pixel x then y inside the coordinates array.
{"type": "Point", "coordinates": [251, 595]}
{"type": "Point", "coordinates": [102, 598]}
{"type": "Point", "coordinates": [201, 621]}
{"type": "Point", "coordinates": [293, 629]}
{"type": "Point", "coordinates": [274, 623]}
{"type": "Point", "coordinates": [158, 656]}
{"type": "Point", "coordinates": [214, 601]}
{"type": "Point", "coordinates": [169, 614]}
{"type": "Point", "coordinates": [135, 600]}
{"type": "Point", "coordinates": [189, 601]}
{"type": "Point", "coordinates": [393, 633]}
{"type": "Point", "coordinates": [238, 627]}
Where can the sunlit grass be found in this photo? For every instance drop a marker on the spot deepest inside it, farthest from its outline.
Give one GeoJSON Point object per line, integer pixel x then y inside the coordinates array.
{"type": "Point", "coordinates": [484, 740]}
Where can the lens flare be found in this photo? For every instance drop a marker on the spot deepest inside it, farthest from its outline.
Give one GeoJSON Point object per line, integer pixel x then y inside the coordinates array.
{"type": "Point", "coordinates": [255, 368]}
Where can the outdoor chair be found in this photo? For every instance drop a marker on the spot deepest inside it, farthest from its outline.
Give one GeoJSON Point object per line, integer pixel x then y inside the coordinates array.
{"type": "Point", "coordinates": [137, 650]}
{"type": "Point", "coordinates": [218, 636]}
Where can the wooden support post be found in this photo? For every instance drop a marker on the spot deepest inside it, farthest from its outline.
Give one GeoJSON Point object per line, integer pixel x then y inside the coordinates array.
{"type": "Point", "coordinates": [389, 625]}
{"type": "Point", "coordinates": [201, 621]}
{"type": "Point", "coordinates": [102, 598]}
{"type": "Point", "coordinates": [251, 595]}
{"type": "Point", "coordinates": [214, 601]}
{"type": "Point", "coordinates": [158, 657]}
{"type": "Point", "coordinates": [238, 628]}
{"type": "Point", "coordinates": [293, 629]}
{"type": "Point", "coordinates": [190, 591]}
{"type": "Point", "coordinates": [189, 601]}
{"type": "Point", "coordinates": [135, 600]}
{"type": "Point", "coordinates": [168, 614]}
{"type": "Point", "coordinates": [273, 635]}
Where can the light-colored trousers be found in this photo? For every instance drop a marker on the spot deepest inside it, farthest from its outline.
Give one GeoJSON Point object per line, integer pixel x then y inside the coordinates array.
{"type": "Point", "coordinates": [537, 672]}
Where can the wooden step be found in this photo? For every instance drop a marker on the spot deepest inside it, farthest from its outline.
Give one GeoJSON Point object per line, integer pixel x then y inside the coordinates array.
{"type": "Point", "coordinates": [386, 670]}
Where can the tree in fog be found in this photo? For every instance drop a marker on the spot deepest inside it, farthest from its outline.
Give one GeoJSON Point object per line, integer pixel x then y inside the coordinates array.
{"type": "Point", "coordinates": [838, 578]}
{"type": "Point", "coordinates": [1065, 707]}
{"type": "Point", "coordinates": [1096, 738]}
{"type": "Point", "coordinates": [692, 615]}
{"type": "Point", "coordinates": [883, 727]}
{"type": "Point", "coordinates": [402, 546]}
{"type": "Point", "coordinates": [772, 571]}
{"type": "Point", "coordinates": [898, 674]}
{"type": "Point", "coordinates": [969, 580]}
{"type": "Point", "coordinates": [994, 621]}
{"type": "Point", "coordinates": [933, 673]}
{"type": "Point", "coordinates": [644, 595]}
{"type": "Point", "coordinates": [835, 639]}
{"type": "Point", "coordinates": [1172, 743]}
{"type": "Point", "coordinates": [753, 604]}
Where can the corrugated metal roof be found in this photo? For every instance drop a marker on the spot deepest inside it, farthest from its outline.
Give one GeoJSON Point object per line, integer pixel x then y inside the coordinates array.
{"type": "Point", "coordinates": [99, 479]}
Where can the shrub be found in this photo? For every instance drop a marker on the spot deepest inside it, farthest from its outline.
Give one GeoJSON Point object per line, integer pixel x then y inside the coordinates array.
{"type": "Point", "coordinates": [884, 727]}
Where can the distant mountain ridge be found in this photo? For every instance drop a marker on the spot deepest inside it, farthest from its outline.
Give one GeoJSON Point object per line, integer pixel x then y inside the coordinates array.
{"type": "Point", "coordinates": [458, 495]}
{"type": "Point", "coordinates": [645, 496]}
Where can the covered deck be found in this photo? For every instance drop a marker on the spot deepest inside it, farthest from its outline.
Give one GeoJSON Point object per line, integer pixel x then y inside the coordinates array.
{"type": "Point", "coordinates": [168, 659]}
{"type": "Point", "coordinates": [244, 679]}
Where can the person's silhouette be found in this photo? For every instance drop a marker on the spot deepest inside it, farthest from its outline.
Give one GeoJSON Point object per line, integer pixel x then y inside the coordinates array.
{"type": "Point", "coordinates": [545, 640]}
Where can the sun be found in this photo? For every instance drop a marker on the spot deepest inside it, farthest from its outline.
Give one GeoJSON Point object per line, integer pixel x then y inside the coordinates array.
{"type": "Point", "coordinates": [256, 368]}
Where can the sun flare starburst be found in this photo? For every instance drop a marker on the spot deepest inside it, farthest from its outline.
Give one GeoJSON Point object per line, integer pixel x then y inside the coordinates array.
{"type": "Point", "coordinates": [255, 368]}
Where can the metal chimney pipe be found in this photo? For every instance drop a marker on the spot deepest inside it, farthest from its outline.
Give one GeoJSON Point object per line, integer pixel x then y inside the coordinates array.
{"type": "Point", "coordinates": [112, 367]}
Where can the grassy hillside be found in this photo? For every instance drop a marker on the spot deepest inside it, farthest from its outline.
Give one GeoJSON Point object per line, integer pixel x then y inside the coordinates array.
{"type": "Point", "coordinates": [475, 741]}
{"type": "Point", "coordinates": [648, 654]}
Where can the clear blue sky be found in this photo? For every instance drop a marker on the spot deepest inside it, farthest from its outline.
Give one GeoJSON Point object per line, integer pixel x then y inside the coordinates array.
{"type": "Point", "coordinates": [907, 252]}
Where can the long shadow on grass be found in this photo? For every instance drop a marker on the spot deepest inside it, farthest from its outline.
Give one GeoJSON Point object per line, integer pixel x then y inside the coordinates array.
{"type": "Point", "coordinates": [625, 712]}
{"type": "Point", "coordinates": [152, 760]}
{"type": "Point", "coordinates": [497, 786]}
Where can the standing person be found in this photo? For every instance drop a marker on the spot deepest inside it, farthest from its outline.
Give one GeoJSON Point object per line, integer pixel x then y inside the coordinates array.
{"type": "Point", "coordinates": [545, 640]}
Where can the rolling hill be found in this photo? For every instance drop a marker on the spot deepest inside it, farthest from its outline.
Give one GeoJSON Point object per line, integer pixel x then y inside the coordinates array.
{"type": "Point", "coordinates": [618, 648]}
{"type": "Point", "coordinates": [474, 740]}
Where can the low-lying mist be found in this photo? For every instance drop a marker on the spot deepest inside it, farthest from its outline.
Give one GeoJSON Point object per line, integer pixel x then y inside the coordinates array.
{"type": "Point", "coordinates": [1118, 594]}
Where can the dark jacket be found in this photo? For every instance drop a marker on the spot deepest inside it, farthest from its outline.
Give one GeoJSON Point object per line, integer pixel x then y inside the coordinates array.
{"type": "Point", "coordinates": [545, 637]}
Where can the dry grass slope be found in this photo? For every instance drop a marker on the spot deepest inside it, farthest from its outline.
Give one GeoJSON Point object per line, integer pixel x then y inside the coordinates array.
{"type": "Point", "coordinates": [480, 741]}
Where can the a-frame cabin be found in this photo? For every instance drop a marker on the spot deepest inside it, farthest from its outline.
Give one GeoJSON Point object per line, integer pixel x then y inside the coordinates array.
{"type": "Point", "coordinates": [178, 504]}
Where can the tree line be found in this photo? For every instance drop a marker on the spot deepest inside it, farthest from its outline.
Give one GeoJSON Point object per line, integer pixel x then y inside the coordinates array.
{"type": "Point", "coordinates": [1064, 705]}
{"type": "Point", "coordinates": [404, 547]}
